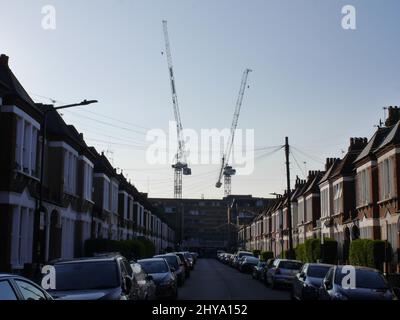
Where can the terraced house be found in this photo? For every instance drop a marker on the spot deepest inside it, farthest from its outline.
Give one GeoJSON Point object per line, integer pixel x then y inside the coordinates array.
{"type": "Point", "coordinates": [355, 197]}
{"type": "Point", "coordinates": [83, 196]}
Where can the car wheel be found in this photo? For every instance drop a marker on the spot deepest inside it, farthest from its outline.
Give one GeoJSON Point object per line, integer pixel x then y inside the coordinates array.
{"type": "Point", "coordinates": [272, 285]}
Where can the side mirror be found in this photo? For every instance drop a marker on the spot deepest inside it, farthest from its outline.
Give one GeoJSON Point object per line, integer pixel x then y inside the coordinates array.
{"type": "Point", "coordinates": [172, 269]}
{"type": "Point", "coordinates": [302, 276]}
{"type": "Point", "coordinates": [327, 284]}
{"type": "Point", "coordinates": [127, 284]}
{"type": "Point", "coordinates": [396, 291]}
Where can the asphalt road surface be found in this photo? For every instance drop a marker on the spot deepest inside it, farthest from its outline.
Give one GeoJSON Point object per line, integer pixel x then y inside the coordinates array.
{"type": "Point", "coordinates": [212, 280]}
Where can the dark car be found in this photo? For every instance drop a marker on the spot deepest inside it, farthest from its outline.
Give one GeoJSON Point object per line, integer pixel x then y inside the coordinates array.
{"type": "Point", "coordinates": [263, 273]}
{"type": "Point", "coordinates": [238, 256]}
{"type": "Point", "coordinates": [369, 284]}
{"type": "Point", "coordinates": [258, 269]}
{"type": "Point", "coordinates": [307, 282]}
{"type": "Point", "coordinates": [174, 261]}
{"type": "Point", "coordinates": [186, 263]}
{"type": "Point", "coordinates": [163, 276]}
{"type": "Point", "coordinates": [283, 272]}
{"type": "Point", "coordinates": [190, 259]}
{"type": "Point", "coordinates": [147, 287]}
{"type": "Point", "coordinates": [98, 278]}
{"type": "Point", "coordinates": [248, 264]}
{"type": "Point", "coordinates": [14, 287]}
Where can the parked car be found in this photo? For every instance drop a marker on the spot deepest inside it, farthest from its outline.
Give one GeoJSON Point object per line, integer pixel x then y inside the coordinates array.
{"type": "Point", "coordinates": [370, 284]}
{"type": "Point", "coordinates": [283, 272]}
{"type": "Point", "coordinates": [13, 287]}
{"type": "Point", "coordinates": [163, 276]}
{"type": "Point", "coordinates": [99, 278]}
{"type": "Point", "coordinates": [239, 255]}
{"type": "Point", "coordinates": [248, 263]}
{"type": "Point", "coordinates": [186, 263]}
{"type": "Point", "coordinates": [263, 273]}
{"type": "Point", "coordinates": [257, 270]}
{"type": "Point", "coordinates": [189, 258]}
{"type": "Point", "coordinates": [195, 256]}
{"type": "Point", "coordinates": [147, 287]}
{"type": "Point", "coordinates": [174, 261]}
{"type": "Point", "coordinates": [307, 282]}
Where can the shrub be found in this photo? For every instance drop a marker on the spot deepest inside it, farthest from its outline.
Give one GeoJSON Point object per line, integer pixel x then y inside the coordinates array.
{"type": "Point", "coordinates": [312, 250]}
{"type": "Point", "coordinates": [329, 251]}
{"type": "Point", "coordinates": [287, 254]}
{"type": "Point", "coordinates": [265, 255]}
{"type": "Point", "coordinates": [257, 253]}
{"type": "Point", "coordinates": [130, 249]}
{"type": "Point", "coordinates": [369, 253]}
{"type": "Point", "coordinates": [300, 252]}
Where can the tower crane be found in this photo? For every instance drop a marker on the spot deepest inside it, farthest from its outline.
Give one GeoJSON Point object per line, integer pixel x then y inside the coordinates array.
{"type": "Point", "coordinates": [227, 170]}
{"type": "Point", "coordinates": [180, 167]}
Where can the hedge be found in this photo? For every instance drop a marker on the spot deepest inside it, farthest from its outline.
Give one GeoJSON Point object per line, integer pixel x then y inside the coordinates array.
{"type": "Point", "coordinates": [300, 252]}
{"type": "Point", "coordinates": [265, 255]}
{"type": "Point", "coordinates": [257, 253]}
{"type": "Point", "coordinates": [369, 253]}
{"type": "Point", "coordinates": [131, 249]}
{"type": "Point", "coordinates": [313, 251]}
{"type": "Point", "coordinates": [329, 251]}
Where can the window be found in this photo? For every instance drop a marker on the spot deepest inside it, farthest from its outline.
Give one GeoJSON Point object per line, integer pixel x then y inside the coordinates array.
{"type": "Point", "coordinates": [337, 198]}
{"type": "Point", "coordinates": [363, 188]}
{"type": "Point", "coordinates": [386, 177]}
{"type": "Point", "coordinates": [70, 172]}
{"type": "Point", "coordinates": [29, 291]}
{"type": "Point", "coordinates": [308, 213]}
{"type": "Point", "coordinates": [106, 195]}
{"type": "Point", "coordinates": [325, 202]}
{"type": "Point", "coordinates": [6, 291]}
{"type": "Point", "coordinates": [22, 236]}
{"type": "Point", "coordinates": [26, 147]}
{"type": "Point", "coordinates": [88, 181]}
{"type": "Point", "coordinates": [301, 212]}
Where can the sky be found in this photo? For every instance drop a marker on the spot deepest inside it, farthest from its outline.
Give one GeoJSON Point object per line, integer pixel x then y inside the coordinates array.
{"type": "Point", "coordinates": [312, 80]}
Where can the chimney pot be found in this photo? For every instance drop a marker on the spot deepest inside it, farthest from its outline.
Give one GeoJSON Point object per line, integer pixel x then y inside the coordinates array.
{"type": "Point", "coordinates": [4, 60]}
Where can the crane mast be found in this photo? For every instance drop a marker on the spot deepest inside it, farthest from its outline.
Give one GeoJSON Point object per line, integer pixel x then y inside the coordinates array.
{"type": "Point", "coordinates": [180, 167]}
{"type": "Point", "coordinates": [226, 170]}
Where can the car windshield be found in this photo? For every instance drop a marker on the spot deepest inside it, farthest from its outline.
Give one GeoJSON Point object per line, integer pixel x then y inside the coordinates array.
{"type": "Point", "coordinates": [154, 266]}
{"type": "Point", "coordinates": [367, 279]}
{"type": "Point", "coordinates": [251, 259]}
{"type": "Point", "coordinates": [317, 271]}
{"type": "Point", "coordinates": [86, 276]}
{"type": "Point", "coordinates": [245, 254]}
{"type": "Point", "coordinates": [291, 265]}
{"type": "Point", "coordinates": [172, 261]}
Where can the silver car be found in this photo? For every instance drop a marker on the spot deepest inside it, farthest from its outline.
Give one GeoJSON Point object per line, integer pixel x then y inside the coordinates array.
{"type": "Point", "coordinates": [283, 272]}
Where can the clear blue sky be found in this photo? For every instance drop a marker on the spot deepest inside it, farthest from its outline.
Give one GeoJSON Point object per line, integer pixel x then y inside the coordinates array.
{"type": "Point", "coordinates": [312, 80]}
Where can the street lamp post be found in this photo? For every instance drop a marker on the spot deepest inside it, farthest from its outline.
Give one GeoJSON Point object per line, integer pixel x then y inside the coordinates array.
{"type": "Point", "coordinates": [39, 203]}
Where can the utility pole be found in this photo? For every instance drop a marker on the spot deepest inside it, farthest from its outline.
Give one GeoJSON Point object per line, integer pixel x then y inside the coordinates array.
{"type": "Point", "coordinates": [289, 194]}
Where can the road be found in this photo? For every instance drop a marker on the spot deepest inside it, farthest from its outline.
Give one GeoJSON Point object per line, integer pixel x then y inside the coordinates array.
{"type": "Point", "coordinates": [212, 280]}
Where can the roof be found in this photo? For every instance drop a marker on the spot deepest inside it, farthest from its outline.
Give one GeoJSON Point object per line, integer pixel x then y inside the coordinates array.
{"type": "Point", "coordinates": [88, 259]}
{"type": "Point", "coordinates": [373, 143]}
{"type": "Point", "coordinates": [329, 172]}
{"type": "Point", "coordinates": [346, 165]}
{"type": "Point", "coordinates": [312, 185]}
{"type": "Point", "coordinates": [9, 82]}
{"type": "Point", "coordinates": [393, 137]}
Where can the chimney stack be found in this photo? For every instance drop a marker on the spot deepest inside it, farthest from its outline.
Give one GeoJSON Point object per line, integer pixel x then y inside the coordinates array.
{"type": "Point", "coordinates": [4, 60]}
{"type": "Point", "coordinates": [393, 116]}
{"type": "Point", "coordinates": [358, 143]}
